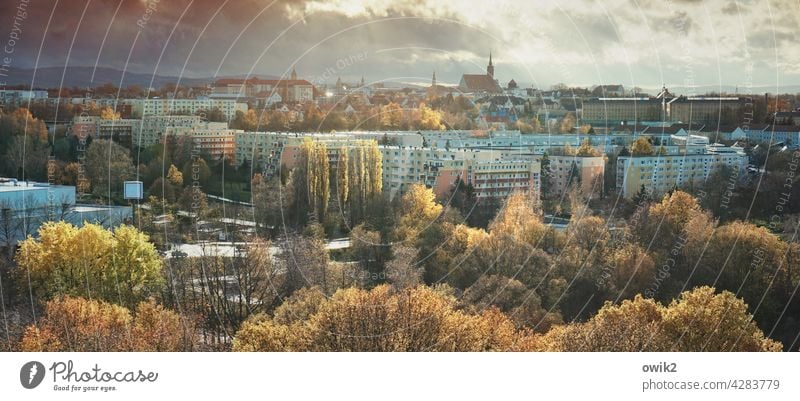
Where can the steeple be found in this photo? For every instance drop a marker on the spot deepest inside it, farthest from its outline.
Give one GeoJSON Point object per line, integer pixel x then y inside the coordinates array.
{"type": "Point", "coordinates": [490, 67]}
{"type": "Point", "coordinates": [362, 81]}
{"type": "Point", "coordinates": [294, 74]}
{"type": "Point", "coordinates": [433, 81]}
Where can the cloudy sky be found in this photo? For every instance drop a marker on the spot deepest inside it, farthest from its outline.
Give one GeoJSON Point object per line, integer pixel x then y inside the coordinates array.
{"type": "Point", "coordinates": [537, 42]}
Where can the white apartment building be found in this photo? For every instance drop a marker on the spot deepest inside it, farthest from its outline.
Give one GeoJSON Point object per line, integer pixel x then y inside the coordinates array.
{"type": "Point", "coordinates": [162, 107]}
{"type": "Point", "coordinates": [661, 173]}
{"type": "Point", "coordinates": [150, 129]}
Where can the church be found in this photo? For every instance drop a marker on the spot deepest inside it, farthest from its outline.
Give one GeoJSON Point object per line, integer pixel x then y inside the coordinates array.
{"type": "Point", "coordinates": [480, 83]}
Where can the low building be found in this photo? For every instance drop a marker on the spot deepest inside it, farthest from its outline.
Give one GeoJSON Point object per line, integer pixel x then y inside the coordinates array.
{"type": "Point", "coordinates": [612, 110]}
{"type": "Point", "coordinates": [706, 110]}
{"type": "Point", "coordinates": [288, 90]}
{"type": "Point", "coordinates": [26, 205]}
{"type": "Point", "coordinates": [22, 97]}
{"type": "Point", "coordinates": [119, 130]}
{"type": "Point", "coordinates": [773, 134]}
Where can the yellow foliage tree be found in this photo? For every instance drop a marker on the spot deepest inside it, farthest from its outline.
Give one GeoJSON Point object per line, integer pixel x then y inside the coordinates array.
{"type": "Point", "coordinates": [430, 119]}
{"type": "Point", "coordinates": [107, 113]}
{"type": "Point", "coordinates": [82, 325]}
{"type": "Point", "coordinates": [416, 319]}
{"type": "Point", "coordinates": [418, 209]}
{"type": "Point", "coordinates": [700, 320]}
{"type": "Point", "coordinates": [641, 147]}
{"type": "Point", "coordinates": [120, 266]}
{"type": "Point", "coordinates": [174, 176]}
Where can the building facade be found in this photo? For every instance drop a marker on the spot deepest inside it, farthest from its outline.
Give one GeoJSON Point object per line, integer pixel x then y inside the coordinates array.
{"type": "Point", "coordinates": [659, 174]}
{"type": "Point", "coordinates": [26, 205]}
{"type": "Point", "coordinates": [165, 107]}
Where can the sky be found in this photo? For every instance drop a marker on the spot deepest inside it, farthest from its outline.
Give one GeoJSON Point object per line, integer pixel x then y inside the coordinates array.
{"type": "Point", "coordinates": [745, 43]}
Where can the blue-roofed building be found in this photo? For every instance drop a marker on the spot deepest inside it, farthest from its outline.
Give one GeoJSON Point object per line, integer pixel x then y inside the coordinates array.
{"type": "Point", "coordinates": [26, 205]}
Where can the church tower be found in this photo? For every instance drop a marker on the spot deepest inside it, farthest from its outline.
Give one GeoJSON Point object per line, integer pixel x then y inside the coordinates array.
{"type": "Point", "coordinates": [294, 75]}
{"type": "Point", "coordinates": [433, 81]}
{"type": "Point", "coordinates": [490, 67]}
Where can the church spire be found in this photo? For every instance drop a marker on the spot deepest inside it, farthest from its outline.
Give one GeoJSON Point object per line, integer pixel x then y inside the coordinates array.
{"type": "Point", "coordinates": [294, 74]}
{"type": "Point", "coordinates": [433, 81]}
{"type": "Point", "coordinates": [490, 67]}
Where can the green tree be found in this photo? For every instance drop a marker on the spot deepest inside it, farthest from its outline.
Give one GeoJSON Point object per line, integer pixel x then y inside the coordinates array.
{"type": "Point", "coordinates": [109, 165]}
{"type": "Point", "coordinates": [547, 176]}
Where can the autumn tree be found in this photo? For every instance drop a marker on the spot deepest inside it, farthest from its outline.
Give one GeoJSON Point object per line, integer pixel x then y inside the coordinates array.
{"type": "Point", "coordinates": [633, 270]}
{"type": "Point", "coordinates": [368, 250]}
{"type": "Point", "coordinates": [418, 209]}
{"type": "Point", "coordinates": [26, 157]}
{"type": "Point", "coordinates": [317, 171]}
{"type": "Point", "coordinates": [703, 320]}
{"type": "Point", "coordinates": [642, 147]}
{"type": "Point", "coordinates": [109, 165]}
{"type": "Point", "coordinates": [513, 298]}
{"type": "Point", "coordinates": [83, 325]}
{"type": "Point", "coordinates": [307, 263]}
{"type": "Point", "coordinates": [416, 319]}
{"type": "Point", "coordinates": [107, 113]}
{"type": "Point", "coordinates": [430, 119]}
{"type": "Point", "coordinates": [273, 202]}
{"type": "Point", "coordinates": [21, 122]}
{"type": "Point", "coordinates": [750, 260]}
{"type": "Point", "coordinates": [197, 170]}
{"type": "Point", "coordinates": [175, 176]}
{"type": "Point", "coordinates": [402, 271]}
{"type": "Point", "coordinates": [567, 123]}
{"type": "Point", "coordinates": [119, 266]}
{"type": "Point", "coordinates": [586, 149]}
{"type": "Point", "coordinates": [391, 116]}
{"type": "Point", "coordinates": [699, 320]}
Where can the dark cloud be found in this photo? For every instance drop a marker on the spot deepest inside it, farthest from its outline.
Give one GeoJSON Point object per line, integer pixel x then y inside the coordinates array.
{"type": "Point", "coordinates": [402, 39]}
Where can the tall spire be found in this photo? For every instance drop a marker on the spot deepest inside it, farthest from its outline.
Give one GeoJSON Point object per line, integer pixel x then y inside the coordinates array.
{"type": "Point", "coordinates": [433, 81]}
{"type": "Point", "coordinates": [294, 74]}
{"type": "Point", "coordinates": [490, 67]}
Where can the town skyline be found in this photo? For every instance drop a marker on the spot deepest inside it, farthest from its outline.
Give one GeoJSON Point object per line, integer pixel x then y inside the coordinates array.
{"type": "Point", "coordinates": [637, 44]}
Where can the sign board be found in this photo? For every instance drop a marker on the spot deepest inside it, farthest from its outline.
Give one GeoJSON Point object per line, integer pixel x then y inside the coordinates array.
{"type": "Point", "coordinates": [133, 190]}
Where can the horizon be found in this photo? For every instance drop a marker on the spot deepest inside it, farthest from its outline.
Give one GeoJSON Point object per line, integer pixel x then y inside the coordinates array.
{"type": "Point", "coordinates": [646, 44]}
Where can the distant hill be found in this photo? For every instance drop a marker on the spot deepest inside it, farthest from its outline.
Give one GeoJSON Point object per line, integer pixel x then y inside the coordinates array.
{"type": "Point", "coordinates": [50, 77]}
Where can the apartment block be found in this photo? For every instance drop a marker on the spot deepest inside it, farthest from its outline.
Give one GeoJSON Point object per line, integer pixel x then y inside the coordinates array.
{"type": "Point", "coordinates": [163, 107]}
{"type": "Point", "coordinates": [214, 140]}
{"type": "Point", "coordinates": [586, 170]}
{"type": "Point", "coordinates": [151, 129]}
{"type": "Point", "coordinates": [661, 173]}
